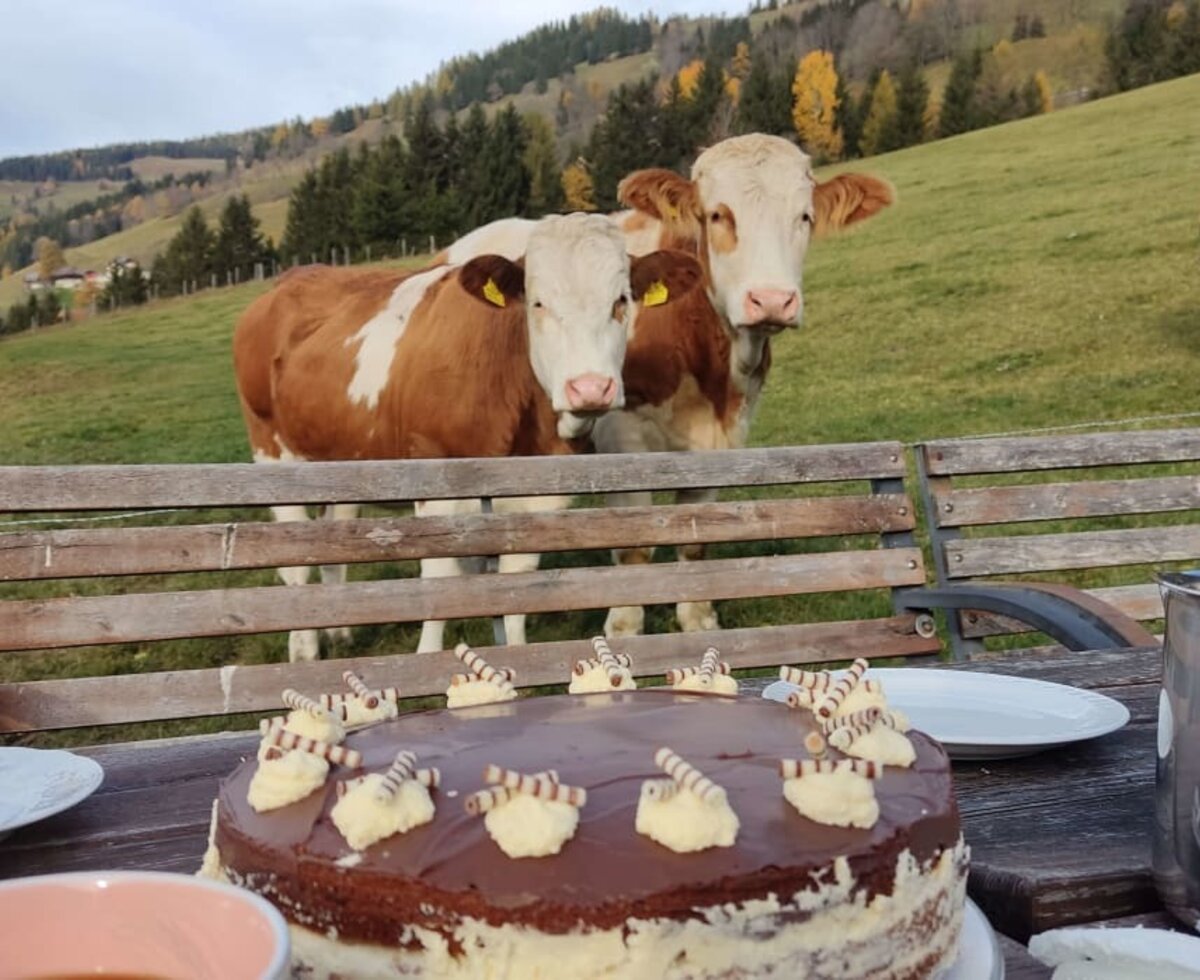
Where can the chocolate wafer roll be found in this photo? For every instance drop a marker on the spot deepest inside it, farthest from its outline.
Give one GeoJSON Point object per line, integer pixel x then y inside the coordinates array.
{"type": "Point", "coordinates": [298, 702]}
{"type": "Point", "coordinates": [709, 664]}
{"type": "Point", "coordinates": [867, 716]}
{"type": "Point", "coordinates": [487, 799]}
{"type": "Point", "coordinates": [659, 789]}
{"type": "Point", "coordinates": [337, 754]}
{"type": "Point", "coordinates": [400, 770]}
{"type": "Point", "coordinates": [687, 775]}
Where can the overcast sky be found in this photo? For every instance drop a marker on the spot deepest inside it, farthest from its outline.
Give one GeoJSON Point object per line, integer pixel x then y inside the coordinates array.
{"type": "Point", "coordinates": [90, 72]}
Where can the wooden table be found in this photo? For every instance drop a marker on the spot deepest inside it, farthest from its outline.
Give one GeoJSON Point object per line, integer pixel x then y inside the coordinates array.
{"type": "Point", "coordinates": [1058, 838]}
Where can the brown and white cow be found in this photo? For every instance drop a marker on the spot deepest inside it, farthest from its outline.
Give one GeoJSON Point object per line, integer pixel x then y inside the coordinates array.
{"type": "Point", "coordinates": [693, 374]}
{"type": "Point", "coordinates": [487, 358]}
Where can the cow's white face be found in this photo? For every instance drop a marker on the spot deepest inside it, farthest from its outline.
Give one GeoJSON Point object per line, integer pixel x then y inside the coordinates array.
{"type": "Point", "coordinates": [749, 211]}
{"type": "Point", "coordinates": [580, 313]}
{"type": "Point", "coordinates": [755, 196]}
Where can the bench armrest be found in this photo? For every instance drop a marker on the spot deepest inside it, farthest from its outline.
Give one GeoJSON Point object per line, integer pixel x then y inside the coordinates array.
{"type": "Point", "coordinates": [1070, 616]}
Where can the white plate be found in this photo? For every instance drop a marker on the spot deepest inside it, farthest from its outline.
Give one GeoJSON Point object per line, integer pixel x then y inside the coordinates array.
{"type": "Point", "coordinates": [991, 716]}
{"type": "Point", "coordinates": [38, 783]}
{"type": "Point", "coordinates": [979, 954]}
{"type": "Point", "coordinates": [1121, 952]}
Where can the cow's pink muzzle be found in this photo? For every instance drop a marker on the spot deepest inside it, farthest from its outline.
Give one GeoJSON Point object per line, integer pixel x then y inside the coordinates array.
{"type": "Point", "coordinates": [774, 306]}
{"type": "Point", "coordinates": [591, 392]}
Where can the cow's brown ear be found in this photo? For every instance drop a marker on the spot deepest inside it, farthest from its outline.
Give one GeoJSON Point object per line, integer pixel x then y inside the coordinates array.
{"type": "Point", "coordinates": [494, 279]}
{"type": "Point", "coordinates": [665, 195]}
{"type": "Point", "coordinates": [848, 198]}
{"type": "Point", "coordinates": [664, 277]}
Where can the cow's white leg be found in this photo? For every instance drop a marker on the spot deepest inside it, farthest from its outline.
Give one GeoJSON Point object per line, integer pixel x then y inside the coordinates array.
{"type": "Point", "coordinates": [336, 574]}
{"type": "Point", "coordinates": [433, 631]}
{"type": "Point", "coordinates": [628, 620]}
{"type": "Point", "coordinates": [695, 616]}
{"type": "Point", "coordinates": [514, 623]}
{"type": "Point", "coordinates": [302, 644]}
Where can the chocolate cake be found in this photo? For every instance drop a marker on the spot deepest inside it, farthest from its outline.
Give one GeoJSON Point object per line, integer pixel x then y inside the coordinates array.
{"type": "Point", "coordinates": [791, 897]}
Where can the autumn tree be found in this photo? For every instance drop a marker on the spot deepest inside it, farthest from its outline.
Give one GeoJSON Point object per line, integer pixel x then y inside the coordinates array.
{"type": "Point", "coordinates": [879, 132]}
{"type": "Point", "coordinates": [815, 105]}
{"type": "Point", "coordinates": [49, 255]}
{"type": "Point", "coordinates": [577, 187]}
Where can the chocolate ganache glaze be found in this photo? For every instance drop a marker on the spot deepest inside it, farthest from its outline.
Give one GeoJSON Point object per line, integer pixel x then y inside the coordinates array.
{"type": "Point", "coordinates": [607, 872]}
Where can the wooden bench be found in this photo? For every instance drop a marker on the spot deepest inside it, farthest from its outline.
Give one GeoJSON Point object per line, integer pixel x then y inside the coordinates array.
{"type": "Point", "coordinates": [1101, 510]}
{"type": "Point", "coordinates": [830, 524]}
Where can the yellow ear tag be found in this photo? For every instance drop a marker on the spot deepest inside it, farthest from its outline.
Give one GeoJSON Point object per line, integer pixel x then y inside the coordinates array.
{"type": "Point", "coordinates": [491, 292]}
{"type": "Point", "coordinates": [672, 211]}
{"type": "Point", "coordinates": [655, 294]}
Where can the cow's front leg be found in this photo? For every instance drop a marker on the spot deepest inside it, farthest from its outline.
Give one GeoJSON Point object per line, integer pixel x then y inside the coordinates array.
{"type": "Point", "coordinates": [514, 623]}
{"type": "Point", "coordinates": [336, 574]}
{"type": "Point", "coordinates": [433, 631]}
{"type": "Point", "coordinates": [695, 617]}
{"type": "Point", "coordinates": [302, 644]}
{"type": "Point", "coordinates": [628, 620]}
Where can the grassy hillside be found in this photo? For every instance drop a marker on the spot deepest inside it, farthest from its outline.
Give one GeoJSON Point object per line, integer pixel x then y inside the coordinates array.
{"type": "Point", "coordinates": [1036, 274]}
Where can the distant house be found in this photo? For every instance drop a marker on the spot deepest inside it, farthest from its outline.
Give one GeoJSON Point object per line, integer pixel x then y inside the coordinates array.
{"type": "Point", "coordinates": [64, 277]}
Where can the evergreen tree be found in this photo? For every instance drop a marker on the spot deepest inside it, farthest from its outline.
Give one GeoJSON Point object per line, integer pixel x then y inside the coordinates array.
{"type": "Point", "coordinates": [765, 103]}
{"type": "Point", "coordinates": [880, 134]}
{"type": "Point", "coordinates": [959, 113]}
{"type": "Point", "coordinates": [675, 150]}
{"type": "Point", "coordinates": [912, 98]}
{"type": "Point", "coordinates": [188, 258]}
{"type": "Point", "coordinates": [706, 101]}
{"type": "Point", "coordinates": [507, 179]}
{"type": "Point", "coordinates": [379, 216]}
{"type": "Point", "coordinates": [541, 162]}
{"type": "Point", "coordinates": [848, 120]}
{"type": "Point", "coordinates": [622, 141]}
{"type": "Point", "coordinates": [472, 168]}
{"type": "Point", "coordinates": [301, 235]}
{"type": "Point", "coordinates": [239, 243]}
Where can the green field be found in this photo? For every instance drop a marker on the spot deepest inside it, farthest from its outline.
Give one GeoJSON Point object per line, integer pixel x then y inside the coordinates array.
{"type": "Point", "coordinates": [1042, 273]}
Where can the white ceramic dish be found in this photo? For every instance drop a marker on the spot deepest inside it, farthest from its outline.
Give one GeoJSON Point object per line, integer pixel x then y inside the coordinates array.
{"type": "Point", "coordinates": [979, 953]}
{"type": "Point", "coordinates": [1125, 953]}
{"type": "Point", "coordinates": [991, 716]}
{"type": "Point", "coordinates": [38, 783]}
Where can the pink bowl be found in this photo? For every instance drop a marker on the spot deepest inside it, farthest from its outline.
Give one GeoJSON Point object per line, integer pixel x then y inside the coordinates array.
{"type": "Point", "coordinates": [148, 924]}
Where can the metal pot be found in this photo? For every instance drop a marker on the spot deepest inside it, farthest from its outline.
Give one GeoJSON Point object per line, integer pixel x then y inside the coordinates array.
{"type": "Point", "coordinates": [1177, 794]}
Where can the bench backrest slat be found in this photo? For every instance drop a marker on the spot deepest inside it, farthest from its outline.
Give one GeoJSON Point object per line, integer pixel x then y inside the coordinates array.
{"type": "Point", "coordinates": [33, 624]}
{"type": "Point", "coordinates": [1031, 553]}
{"type": "Point", "coordinates": [47, 705]}
{"type": "Point", "coordinates": [956, 457]}
{"type": "Point", "coordinates": [97, 552]}
{"type": "Point", "coordinates": [1061, 501]}
{"type": "Point", "coordinates": [54, 488]}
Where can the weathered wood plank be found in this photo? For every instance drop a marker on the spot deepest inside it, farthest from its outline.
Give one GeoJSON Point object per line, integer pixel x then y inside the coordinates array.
{"type": "Point", "coordinates": [1056, 501]}
{"type": "Point", "coordinates": [48, 705]}
{"type": "Point", "coordinates": [69, 488]}
{"type": "Point", "coordinates": [33, 624]}
{"type": "Point", "coordinates": [1022, 554]}
{"type": "Point", "coordinates": [1141, 602]}
{"type": "Point", "coordinates": [953, 457]}
{"type": "Point", "coordinates": [210, 547]}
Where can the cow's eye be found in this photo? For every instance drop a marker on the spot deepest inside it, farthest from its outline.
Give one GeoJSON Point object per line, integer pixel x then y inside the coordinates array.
{"type": "Point", "coordinates": [807, 218]}
{"type": "Point", "coordinates": [715, 217]}
{"type": "Point", "coordinates": [537, 304]}
{"type": "Point", "coordinates": [618, 310]}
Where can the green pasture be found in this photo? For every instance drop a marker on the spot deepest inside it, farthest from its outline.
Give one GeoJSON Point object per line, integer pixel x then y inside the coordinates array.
{"type": "Point", "coordinates": [1042, 273]}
